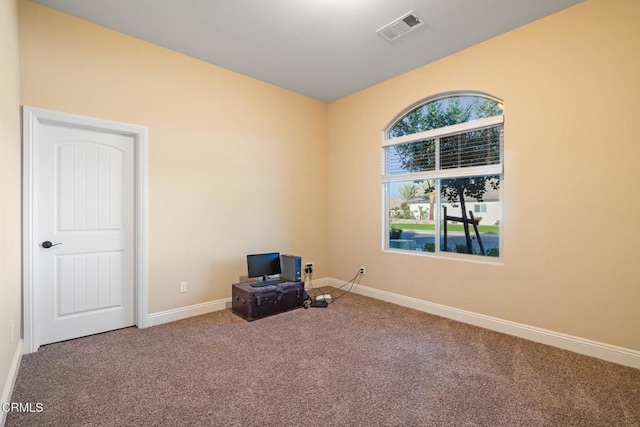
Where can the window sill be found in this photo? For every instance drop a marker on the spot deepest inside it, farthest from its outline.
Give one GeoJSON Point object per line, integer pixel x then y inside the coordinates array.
{"type": "Point", "coordinates": [449, 257]}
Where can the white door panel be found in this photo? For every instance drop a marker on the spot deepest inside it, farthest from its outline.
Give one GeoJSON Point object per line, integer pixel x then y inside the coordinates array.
{"type": "Point", "coordinates": [90, 183]}
{"type": "Point", "coordinates": [85, 205]}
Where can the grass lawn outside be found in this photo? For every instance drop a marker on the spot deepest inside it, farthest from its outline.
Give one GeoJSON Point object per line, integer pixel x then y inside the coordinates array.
{"type": "Point", "coordinates": [494, 229]}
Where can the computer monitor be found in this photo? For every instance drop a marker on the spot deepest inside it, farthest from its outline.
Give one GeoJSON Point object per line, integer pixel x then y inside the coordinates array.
{"type": "Point", "coordinates": [263, 265]}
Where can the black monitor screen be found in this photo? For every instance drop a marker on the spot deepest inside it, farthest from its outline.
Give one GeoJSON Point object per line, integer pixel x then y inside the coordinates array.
{"type": "Point", "coordinates": [263, 264]}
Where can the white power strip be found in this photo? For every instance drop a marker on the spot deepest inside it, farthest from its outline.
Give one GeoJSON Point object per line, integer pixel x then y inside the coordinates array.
{"type": "Point", "coordinates": [325, 297]}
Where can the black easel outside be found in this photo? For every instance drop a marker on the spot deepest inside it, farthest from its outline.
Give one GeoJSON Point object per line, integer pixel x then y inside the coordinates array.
{"type": "Point", "coordinates": [465, 222]}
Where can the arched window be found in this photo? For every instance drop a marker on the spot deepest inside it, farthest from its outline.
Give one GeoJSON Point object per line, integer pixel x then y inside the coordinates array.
{"type": "Point", "coordinates": [441, 175]}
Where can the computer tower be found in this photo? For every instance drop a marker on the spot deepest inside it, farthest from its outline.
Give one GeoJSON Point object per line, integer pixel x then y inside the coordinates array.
{"type": "Point", "coordinates": [291, 267]}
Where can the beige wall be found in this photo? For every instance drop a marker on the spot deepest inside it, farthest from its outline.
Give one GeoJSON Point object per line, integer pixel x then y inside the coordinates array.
{"type": "Point", "coordinates": [231, 159]}
{"type": "Point", "coordinates": [10, 300]}
{"type": "Point", "coordinates": [571, 90]}
{"type": "Point", "coordinates": [570, 87]}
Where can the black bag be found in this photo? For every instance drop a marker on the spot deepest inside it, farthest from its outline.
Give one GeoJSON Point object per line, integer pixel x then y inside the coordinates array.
{"type": "Point", "coordinates": [253, 303]}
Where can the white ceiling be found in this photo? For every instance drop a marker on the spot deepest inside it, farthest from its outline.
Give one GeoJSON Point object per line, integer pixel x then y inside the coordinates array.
{"type": "Point", "coordinates": [325, 49]}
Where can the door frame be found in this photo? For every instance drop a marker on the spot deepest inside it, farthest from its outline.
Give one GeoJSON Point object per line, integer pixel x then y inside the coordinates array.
{"type": "Point", "coordinates": [31, 118]}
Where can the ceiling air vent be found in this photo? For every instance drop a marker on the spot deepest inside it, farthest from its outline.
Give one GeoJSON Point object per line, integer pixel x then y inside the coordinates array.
{"type": "Point", "coordinates": [400, 26]}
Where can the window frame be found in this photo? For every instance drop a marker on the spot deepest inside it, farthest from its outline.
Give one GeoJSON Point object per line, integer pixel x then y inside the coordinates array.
{"type": "Point", "coordinates": [438, 174]}
{"type": "Point", "coordinates": [480, 208]}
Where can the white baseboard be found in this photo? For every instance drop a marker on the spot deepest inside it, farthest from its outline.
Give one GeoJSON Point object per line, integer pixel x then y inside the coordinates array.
{"type": "Point", "coordinates": [611, 353]}
{"type": "Point", "coordinates": [11, 380]}
{"type": "Point", "coordinates": [317, 283]}
{"type": "Point", "coordinates": [167, 316]}
{"type": "Point", "coordinates": [172, 315]}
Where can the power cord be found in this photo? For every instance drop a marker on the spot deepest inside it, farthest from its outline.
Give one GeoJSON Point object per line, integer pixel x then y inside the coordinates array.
{"type": "Point", "coordinates": [355, 281]}
{"type": "Point", "coordinates": [309, 290]}
{"type": "Point", "coordinates": [308, 278]}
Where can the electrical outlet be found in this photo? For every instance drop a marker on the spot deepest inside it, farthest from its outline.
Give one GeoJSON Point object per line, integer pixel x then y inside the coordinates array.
{"type": "Point", "coordinates": [308, 268]}
{"type": "Point", "coordinates": [183, 287]}
{"type": "Point", "coordinates": [361, 270]}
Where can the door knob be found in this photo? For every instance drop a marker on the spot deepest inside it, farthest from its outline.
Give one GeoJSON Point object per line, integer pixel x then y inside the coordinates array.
{"type": "Point", "coordinates": [47, 244]}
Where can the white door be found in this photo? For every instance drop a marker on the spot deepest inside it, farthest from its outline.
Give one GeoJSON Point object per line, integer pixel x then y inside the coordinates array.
{"type": "Point", "coordinates": [84, 207]}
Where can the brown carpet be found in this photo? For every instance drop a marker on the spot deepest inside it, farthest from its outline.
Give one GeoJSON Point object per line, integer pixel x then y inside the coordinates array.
{"type": "Point", "coordinates": [360, 362]}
